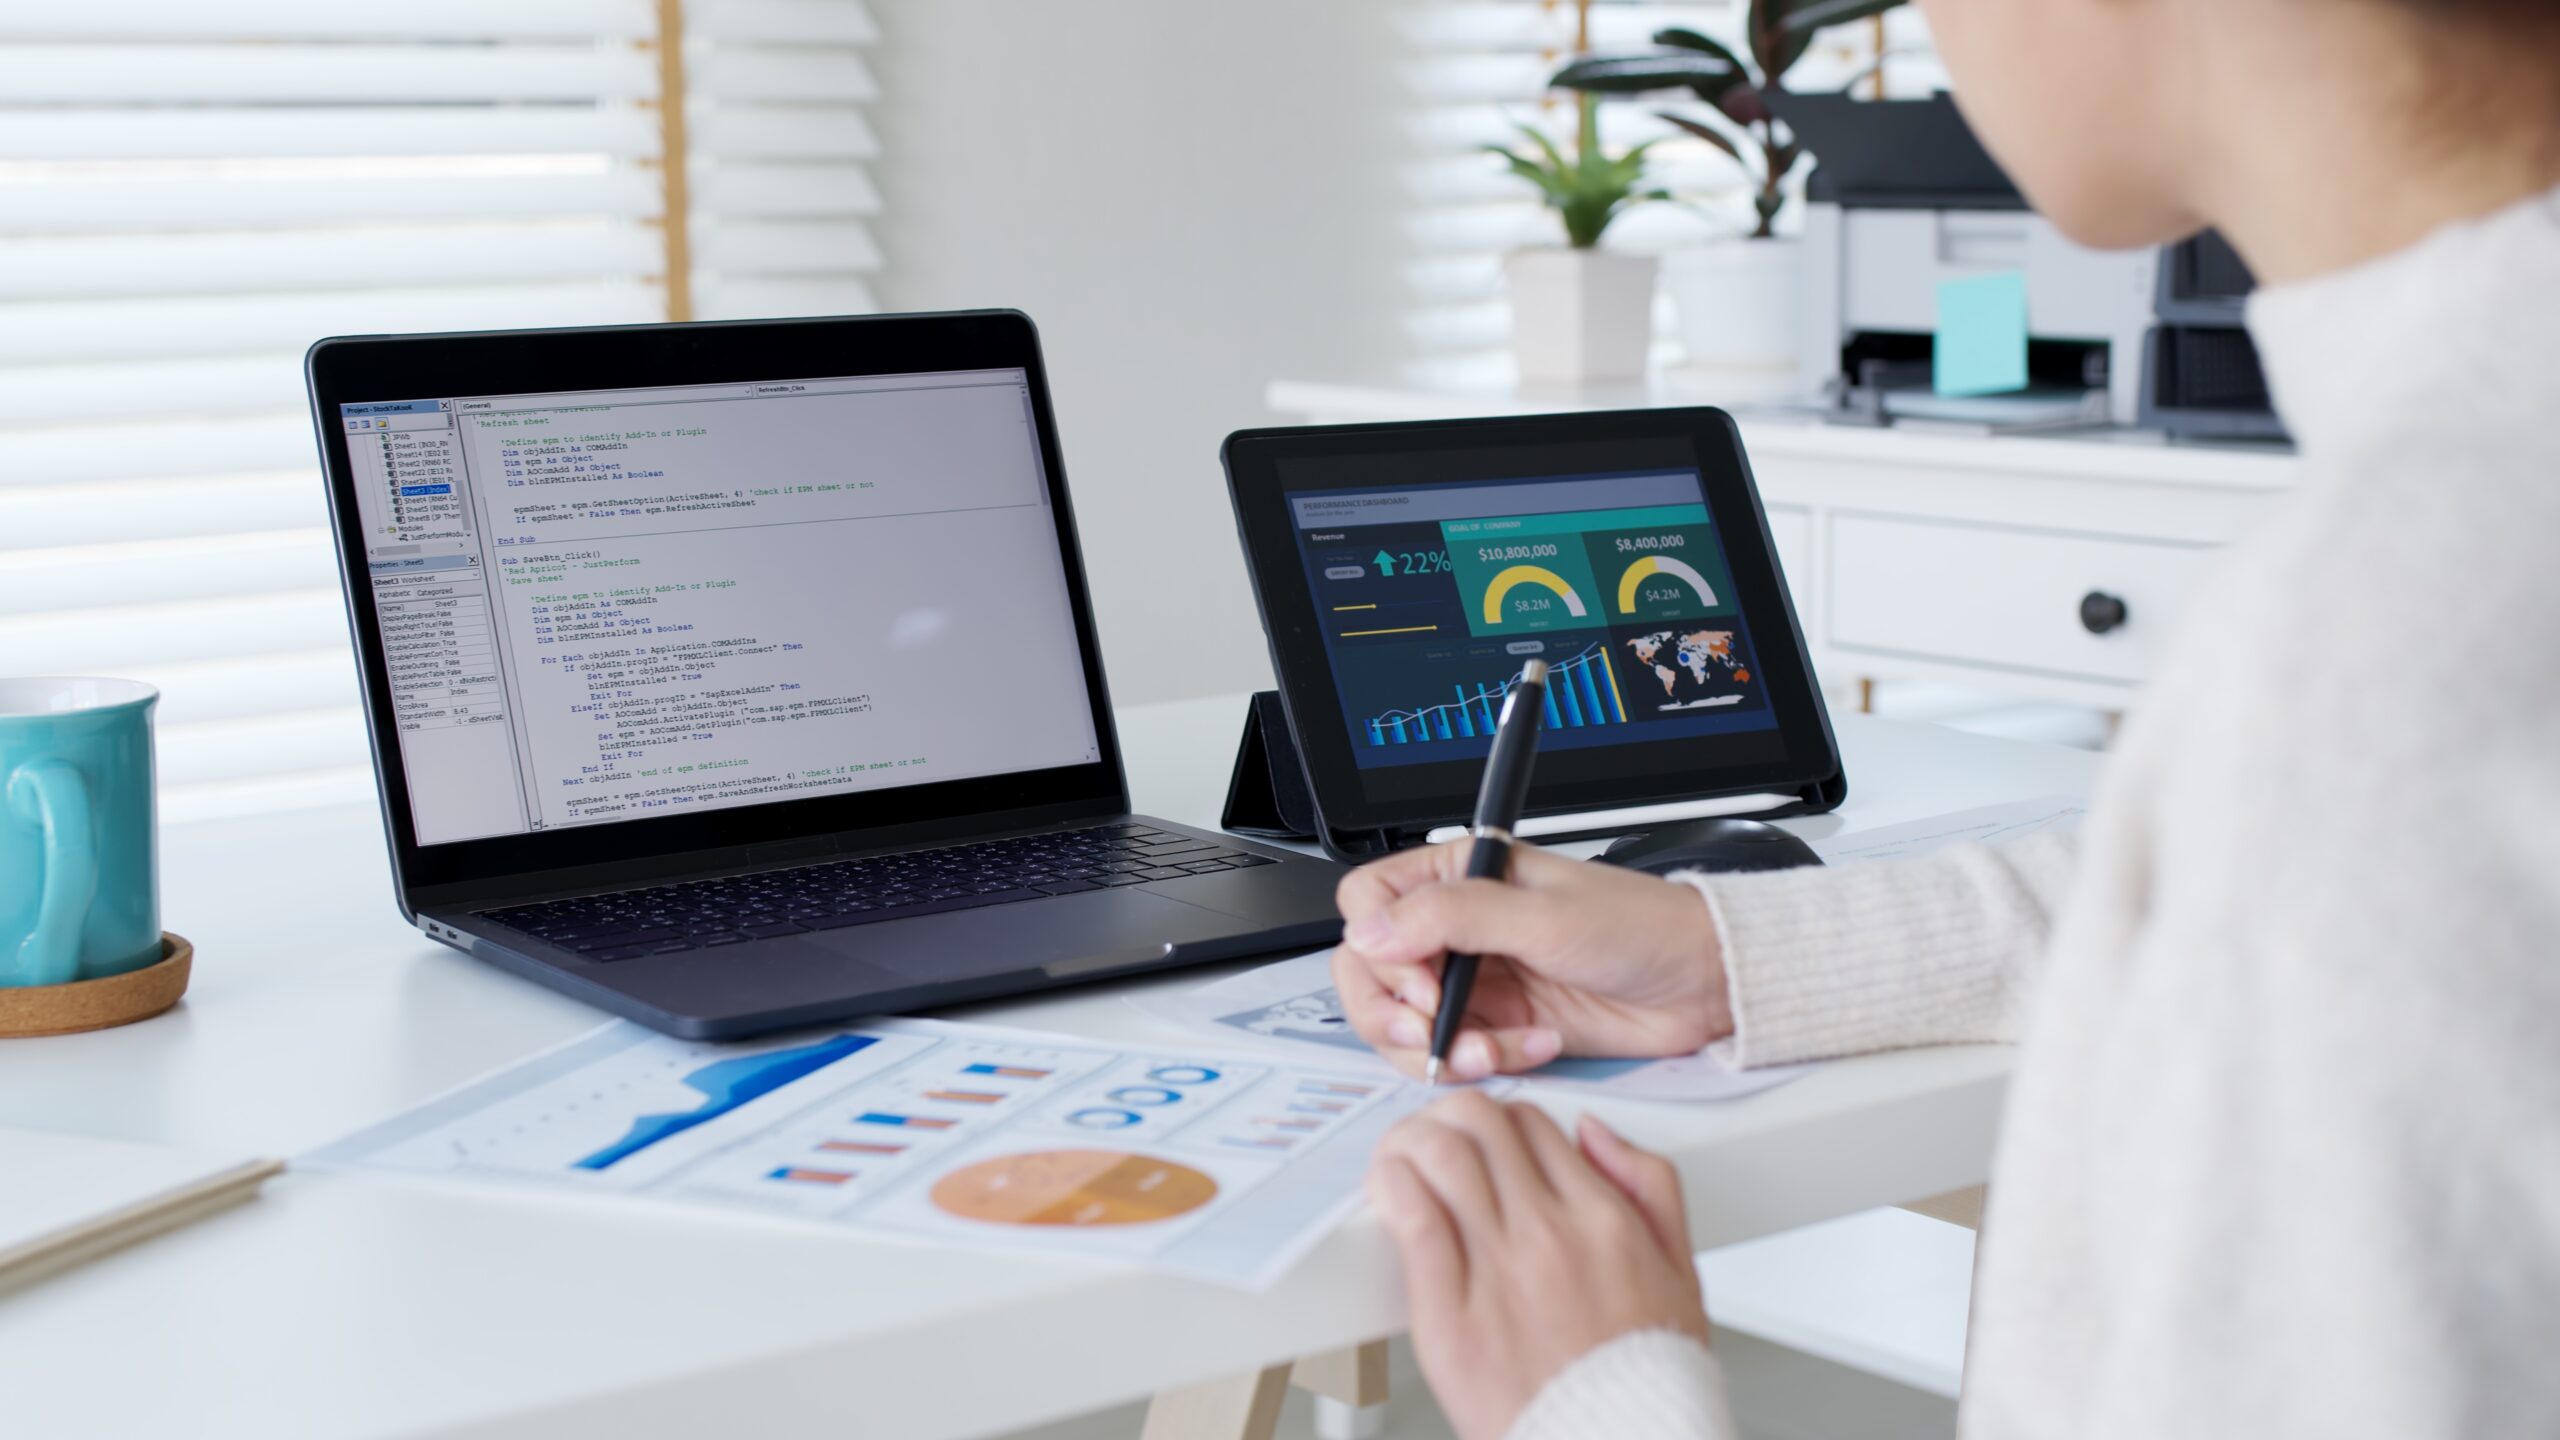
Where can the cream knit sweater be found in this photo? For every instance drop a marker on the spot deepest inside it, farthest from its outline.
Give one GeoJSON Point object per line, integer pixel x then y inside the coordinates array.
{"type": "Point", "coordinates": [2282, 1156]}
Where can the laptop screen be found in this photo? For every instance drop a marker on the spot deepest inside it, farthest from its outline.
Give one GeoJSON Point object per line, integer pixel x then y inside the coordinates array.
{"type": "Point", "coordinates": [609, 605]}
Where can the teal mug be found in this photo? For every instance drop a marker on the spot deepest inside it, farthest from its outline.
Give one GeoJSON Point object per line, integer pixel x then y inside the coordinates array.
{"type": "Point", "coordinates": [79, 872]}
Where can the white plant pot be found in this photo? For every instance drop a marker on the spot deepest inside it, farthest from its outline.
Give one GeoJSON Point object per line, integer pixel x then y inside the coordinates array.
{"type": "Point", "coordinates": [1580, 317]}
{"type": "Point", "coordinates": [1741, 306]}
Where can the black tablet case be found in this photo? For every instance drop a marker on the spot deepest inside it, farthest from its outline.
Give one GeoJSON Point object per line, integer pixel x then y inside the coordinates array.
{"type": "Point", "coordinates": [1267, 796]}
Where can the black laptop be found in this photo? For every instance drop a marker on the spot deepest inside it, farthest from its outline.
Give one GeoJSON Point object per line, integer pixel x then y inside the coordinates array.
{"type": "Point", "coordinates": [738, 676]}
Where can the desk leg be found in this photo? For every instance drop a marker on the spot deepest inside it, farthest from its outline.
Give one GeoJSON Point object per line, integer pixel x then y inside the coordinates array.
{"type": "Point", "coordinates": [1350, 1387]}
{"type": "Point", "coordinates": [1239, 1407]}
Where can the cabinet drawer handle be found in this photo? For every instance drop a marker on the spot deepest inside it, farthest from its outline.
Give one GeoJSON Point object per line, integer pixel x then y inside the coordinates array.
{"type": "Point", "coordinates": [2101, 612]}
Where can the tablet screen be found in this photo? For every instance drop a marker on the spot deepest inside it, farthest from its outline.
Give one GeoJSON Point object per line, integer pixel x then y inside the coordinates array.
{"type": "Point", "coordinates": [1433, 596]}
{"type": "Point", "coordinates": [1408, 573]}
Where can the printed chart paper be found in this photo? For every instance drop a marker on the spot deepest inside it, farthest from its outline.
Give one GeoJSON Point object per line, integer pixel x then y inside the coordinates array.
{"type": "Point", "coordinates": [1293, 1002]}
{"type": "Point", "coordinates": [1225, 1169]}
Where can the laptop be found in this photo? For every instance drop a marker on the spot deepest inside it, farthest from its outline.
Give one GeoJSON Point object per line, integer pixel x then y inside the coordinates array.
{"type": "Point", "coordinates": [739, 676]}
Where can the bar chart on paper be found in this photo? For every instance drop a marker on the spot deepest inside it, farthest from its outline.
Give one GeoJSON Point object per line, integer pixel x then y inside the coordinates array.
{"type": "Point", "coordinates": [1227, 1169]}
{"type": "Point", "coordinates": [1582, 691]}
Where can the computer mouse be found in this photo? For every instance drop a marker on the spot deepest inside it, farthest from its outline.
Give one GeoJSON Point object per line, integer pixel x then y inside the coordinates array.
{"type": "Point", "coordinates": [1724, 844]}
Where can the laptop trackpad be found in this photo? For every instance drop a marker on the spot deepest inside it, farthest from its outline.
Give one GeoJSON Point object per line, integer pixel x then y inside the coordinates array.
{"type": "Point", "coordinates": [1002, 939]}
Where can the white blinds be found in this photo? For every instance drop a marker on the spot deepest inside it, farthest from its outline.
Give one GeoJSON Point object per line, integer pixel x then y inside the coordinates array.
{"type": "Point", "coordinates": [779, 148]}
{"type": "Point", "coordinates": [1474, 66]}
{"type": "Point", "coordinates": [190, 194]}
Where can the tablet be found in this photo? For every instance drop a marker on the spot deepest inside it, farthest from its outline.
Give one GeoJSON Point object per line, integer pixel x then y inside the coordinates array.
{"type": "Point", "coordinates": [1405, 572]}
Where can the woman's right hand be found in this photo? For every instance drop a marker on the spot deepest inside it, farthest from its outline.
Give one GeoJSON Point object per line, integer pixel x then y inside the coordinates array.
{"type": "Point", "coordinates": [1577, 958]}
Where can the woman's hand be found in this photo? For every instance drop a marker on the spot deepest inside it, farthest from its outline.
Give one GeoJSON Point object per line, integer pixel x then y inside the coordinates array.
{"type": "Point", "coordinates": [1522, 1253]}
{"type": "Point", "coordinates": [1581, 958]}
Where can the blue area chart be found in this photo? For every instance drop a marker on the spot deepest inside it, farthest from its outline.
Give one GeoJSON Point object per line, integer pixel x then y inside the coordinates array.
{"type": "Point", "coordinates": [726, 1085]}
{"type": "Point", "coordinates": [1581, 691]}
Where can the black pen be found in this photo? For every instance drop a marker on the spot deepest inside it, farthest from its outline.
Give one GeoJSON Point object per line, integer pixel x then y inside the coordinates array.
{"type": "Point", "coordinates": [1498, 804]}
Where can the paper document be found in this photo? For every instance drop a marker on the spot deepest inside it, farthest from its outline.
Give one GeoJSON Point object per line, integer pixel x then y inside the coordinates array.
{"type": "Point", "coordinates": [1221, 1168]}
{"type": "Point", "coordinates": [1293, 1003]}
{"type": "Point", "coordinates": [1990, 825]}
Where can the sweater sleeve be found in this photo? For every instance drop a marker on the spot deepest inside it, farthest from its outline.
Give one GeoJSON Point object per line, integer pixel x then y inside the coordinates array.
{"type": "Point", "coordinates": [1644, 1385]}
{"type": "Point", "coordinates": [1934, 950]}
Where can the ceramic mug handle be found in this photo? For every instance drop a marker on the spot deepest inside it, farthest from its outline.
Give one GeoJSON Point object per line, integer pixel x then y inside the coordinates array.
{"type": "Point", "coordinates": [51, 796]}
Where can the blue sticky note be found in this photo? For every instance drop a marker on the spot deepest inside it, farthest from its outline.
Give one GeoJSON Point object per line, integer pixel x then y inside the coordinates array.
{"type": "Point", "coordinates": [1982, 335]}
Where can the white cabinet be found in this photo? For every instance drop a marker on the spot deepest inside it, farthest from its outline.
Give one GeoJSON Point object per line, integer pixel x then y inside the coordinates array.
{"type": "Point", "coordinates": [1951, 558]}
{"type": "Point", "coordinates": [2050, 601]}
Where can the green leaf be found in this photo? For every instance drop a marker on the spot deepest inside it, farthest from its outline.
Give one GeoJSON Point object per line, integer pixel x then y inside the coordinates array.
{"type": "Point", "coordinates": [1545, 146]}
{"type": "Point", "coordinates": [1705, 132]}
{"type": "Point", "coordinates": [1551, 186]}
{"type": "Point", "coordinates": [1806, 16]}
{"type": "Point", "coordinates": [1743, 105]}
{"type": "Point", "coordinates": [1588, 189]}
{"type": "Point", "coordinates": [1590, 156]}
{"type": "Point", "coordinates": [1688, 39]}
{"type": "Point", "coordinates": [1635, 74]}
{"type": "Point", "coordinates": [1795, 23]}
{"type": "Point", "coordinates": [1764, 30]}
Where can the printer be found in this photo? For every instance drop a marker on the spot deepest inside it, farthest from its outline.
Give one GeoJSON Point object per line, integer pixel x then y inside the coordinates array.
{"type": "Point", "coordinates": [1905, 197]}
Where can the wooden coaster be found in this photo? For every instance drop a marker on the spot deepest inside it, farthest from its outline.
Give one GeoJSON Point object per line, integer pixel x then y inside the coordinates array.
{"type": "Point", "coordinates": [99, 1004]}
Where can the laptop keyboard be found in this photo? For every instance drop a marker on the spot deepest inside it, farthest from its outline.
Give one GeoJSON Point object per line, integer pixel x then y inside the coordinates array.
{"type": "Point", "coordinates": [701, 914]}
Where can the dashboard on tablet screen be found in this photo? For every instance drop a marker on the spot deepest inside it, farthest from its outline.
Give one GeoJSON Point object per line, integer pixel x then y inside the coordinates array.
{"type": "Point", "coordinates": [1432, 597]}
{"type": "Point", "coordinates": [1409, 572]}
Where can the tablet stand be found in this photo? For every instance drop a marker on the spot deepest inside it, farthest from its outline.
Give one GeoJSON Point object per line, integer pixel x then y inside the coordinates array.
{"type": "Point", "coordinates": [1268, 797]}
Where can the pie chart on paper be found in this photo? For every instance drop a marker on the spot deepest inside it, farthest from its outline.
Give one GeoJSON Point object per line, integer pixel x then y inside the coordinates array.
{"type": "Point", "coordinates": [1072, 1188]}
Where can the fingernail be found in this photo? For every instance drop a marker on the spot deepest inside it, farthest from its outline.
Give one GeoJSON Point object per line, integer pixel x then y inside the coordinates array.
{"type": "Point", "coordinates": [1370, 930]}
{"type": "Point", "coordinates": [1541, 1046]}
{"type": "Point", "coordinates": [1421, 995]}
{"type": "Point", "coordinates": [1472, 1057]}
{"type": "Point", "coordinates": [1407, 1033]}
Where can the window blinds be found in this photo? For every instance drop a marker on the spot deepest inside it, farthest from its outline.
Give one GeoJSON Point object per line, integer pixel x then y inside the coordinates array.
{"type": "Point", "coordinates": [190, 194]}
{"type": "Point", "coordinates": [1473, 67]}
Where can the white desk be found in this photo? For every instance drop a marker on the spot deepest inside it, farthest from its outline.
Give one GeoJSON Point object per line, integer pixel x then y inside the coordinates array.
{"type": "Point", "coordinates": [1915, 556]}
{"type": "Point", "coordinates": [342, 1306]}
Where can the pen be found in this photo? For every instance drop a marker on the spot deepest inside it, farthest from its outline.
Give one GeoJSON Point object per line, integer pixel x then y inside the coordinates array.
{"type": "Point", "coordinates": [1498, 804]}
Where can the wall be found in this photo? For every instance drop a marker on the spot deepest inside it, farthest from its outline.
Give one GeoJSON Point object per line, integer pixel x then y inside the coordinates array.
{"type": "Point", "coordinates": [1191, 199]}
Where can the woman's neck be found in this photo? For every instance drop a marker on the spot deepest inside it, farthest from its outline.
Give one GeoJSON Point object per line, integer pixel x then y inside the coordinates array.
{"type": "Point", "coordinates": [2326, 173]}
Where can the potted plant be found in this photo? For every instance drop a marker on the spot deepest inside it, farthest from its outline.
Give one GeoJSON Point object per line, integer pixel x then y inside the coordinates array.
{"type": "Point", "coordinates": [1739, 300]}
{"type": "Point", "coordinates": [1581, 315]}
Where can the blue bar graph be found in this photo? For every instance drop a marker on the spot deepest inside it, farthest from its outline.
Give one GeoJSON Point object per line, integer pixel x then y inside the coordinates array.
{"type": "Point", "coordinates": [1580, 693]}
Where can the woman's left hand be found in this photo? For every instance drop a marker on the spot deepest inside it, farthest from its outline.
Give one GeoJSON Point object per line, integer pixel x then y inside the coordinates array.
{"type": "Point", "coordinates": [1523, 1251]}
